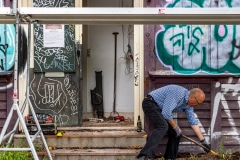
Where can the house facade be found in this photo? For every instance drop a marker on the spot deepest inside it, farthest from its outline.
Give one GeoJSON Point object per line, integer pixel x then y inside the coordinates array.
{"type": "Point", "coordinates": [63, 70]}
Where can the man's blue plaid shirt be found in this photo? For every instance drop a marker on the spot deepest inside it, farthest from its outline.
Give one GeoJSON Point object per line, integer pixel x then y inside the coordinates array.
{"type": "Point", "coordinates": [174, 98]}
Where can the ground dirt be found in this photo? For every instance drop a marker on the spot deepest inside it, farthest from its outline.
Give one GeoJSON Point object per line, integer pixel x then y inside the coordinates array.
{"type": "Point", "coordinates": [182, 156]}
{"type": "Point", "coordinates": [208, 156]}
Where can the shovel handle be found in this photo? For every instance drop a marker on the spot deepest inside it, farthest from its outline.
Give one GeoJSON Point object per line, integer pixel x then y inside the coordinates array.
{"type": "Point", "coordinates": [199, 144]}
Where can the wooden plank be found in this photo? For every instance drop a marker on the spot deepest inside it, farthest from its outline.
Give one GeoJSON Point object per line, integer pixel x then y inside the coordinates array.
{"type": "Point", "coordinates": [182, 80]}
{"type": "Point", "coordinates": [226, 122]}
{"type": "Point", "coordinates": [231, 140]}
{"type": "Point", "coordinates": [231, 96]}
{"type": "Point", "coordinates": [233, 105]}
{"type": "Point", "coordinates": [184, 122]}
{"type": "Point", "coordinates": [231, 114]}
{"type": "Point", "coordinates": [233, 131]}
{"type": "Point", "coordinates": [3, 114]}
{"type": "Point", "coordinates": [3, 95]}
{"type": "Point", "coordinates": [2, 121]}
{"type": "Point", "coordinates": [199, 114]}
{"type": "Point", "coordinates": [149, 55]}
{"type": "Point", "coordinates": [3, 105]}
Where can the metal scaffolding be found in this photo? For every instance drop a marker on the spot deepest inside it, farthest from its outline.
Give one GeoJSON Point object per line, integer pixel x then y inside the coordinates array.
{"type": "Point", "coordinates": [15, 106]}
{"type": "Point", "coordinates": [86, 15]}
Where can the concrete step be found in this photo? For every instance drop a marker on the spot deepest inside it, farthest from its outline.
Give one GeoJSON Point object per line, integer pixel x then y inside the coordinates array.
{"type": "Point", "coordinates": [99, 128]}
{"type": "Point", "coordinates": [83, 143]}
{"type": "Point", "coordinates": [97, 139]}
{"type": "Point", "coordinates": [91, 154]}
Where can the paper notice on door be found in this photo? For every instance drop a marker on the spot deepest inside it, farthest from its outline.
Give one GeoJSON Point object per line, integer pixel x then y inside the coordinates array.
{"type": "Point", "coordinates": [53, 35]}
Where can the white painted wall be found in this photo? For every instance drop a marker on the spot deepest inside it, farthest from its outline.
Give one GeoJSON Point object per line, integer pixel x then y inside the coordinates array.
{"type": "Point", "coordinates": [101, 45]}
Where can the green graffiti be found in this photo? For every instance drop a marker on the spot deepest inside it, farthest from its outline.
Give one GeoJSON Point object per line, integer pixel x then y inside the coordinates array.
{"type": "Point", "coordinates": [180, 41]}
{"type": "Point", "coordinates": [216, 34]}
{"type": "Point", "coordinates": [188, 49]}
{"type": "Point", "coordinates": [192, 46]}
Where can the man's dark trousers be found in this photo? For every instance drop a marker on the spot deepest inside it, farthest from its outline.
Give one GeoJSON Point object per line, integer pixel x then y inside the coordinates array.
{"type": "Point", "coordinates": [161, 128]}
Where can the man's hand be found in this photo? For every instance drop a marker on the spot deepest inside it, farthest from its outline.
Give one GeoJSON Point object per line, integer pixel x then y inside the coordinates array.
{"type": "Point", "coordinates": [178, 131]}
{"type": "Point", "coordinates": [204, 142]}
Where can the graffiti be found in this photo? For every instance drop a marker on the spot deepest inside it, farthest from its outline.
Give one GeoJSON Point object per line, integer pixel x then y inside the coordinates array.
{"type": "Point", "coordinates": [72, 92]}
{"type": "Point", "coordinates": [136, 70]}
{"type": "Point", "coordinates": [54, 59]}
{"type": "Point", "coordinates": [7, 46]}
{"type": "Point", "coordinates": [220, 98]}
{"type": "Point", "coordinates": [188, 49]}
{"type": "Point", "coordinates": [46, 3]}
{"type": "Point", "coordinates": [234, 43]}
{"type": "Point", "coordinates": [55, 96]}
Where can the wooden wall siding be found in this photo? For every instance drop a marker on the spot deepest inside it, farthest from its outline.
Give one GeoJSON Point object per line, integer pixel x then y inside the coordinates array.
{"type": "Point", "coordinates": [7, 37]}
{"type": "Point", "coordinates": [3, 106]}
{"type": "Point", "coordinates": [6, 93]}
{"type": "Point", "coordinates": [230, 116]}
{"type": "Point", "coordinates": [197, 56]}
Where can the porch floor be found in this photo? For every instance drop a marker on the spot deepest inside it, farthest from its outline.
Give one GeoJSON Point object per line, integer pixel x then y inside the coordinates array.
{"type": "Point", "coordinates": [108, 123]}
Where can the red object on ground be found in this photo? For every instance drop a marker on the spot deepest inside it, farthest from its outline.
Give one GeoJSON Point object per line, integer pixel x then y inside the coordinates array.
{"type": "Point", "coordinates": [121, 118]}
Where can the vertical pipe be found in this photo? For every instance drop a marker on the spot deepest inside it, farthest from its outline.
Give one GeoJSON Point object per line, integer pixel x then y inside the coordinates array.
{"type": "Point", "coordinates": [115, 70]}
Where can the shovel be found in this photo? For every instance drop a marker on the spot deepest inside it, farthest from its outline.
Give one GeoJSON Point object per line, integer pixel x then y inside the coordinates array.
{"type": "Point", "coordinates": [199, 144]}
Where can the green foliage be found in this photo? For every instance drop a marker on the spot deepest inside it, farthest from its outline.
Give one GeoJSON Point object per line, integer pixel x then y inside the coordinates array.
{"type": "Point", "coordinates": [193, 157]}
{"type": "Point", "coordinates": [225, 154]}
{"type": "Point", "coordinates": [14, 155]}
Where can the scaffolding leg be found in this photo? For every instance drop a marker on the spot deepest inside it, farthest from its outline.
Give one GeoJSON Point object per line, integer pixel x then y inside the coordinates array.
{"type": "Point", "coordinates": [16, 107]}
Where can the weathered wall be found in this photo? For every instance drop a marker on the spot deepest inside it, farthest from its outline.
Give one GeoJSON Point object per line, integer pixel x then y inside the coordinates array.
{"type": "Point", "coordinates": [7, 50]}
{"type": "Point", "coordinates": [205, 56]}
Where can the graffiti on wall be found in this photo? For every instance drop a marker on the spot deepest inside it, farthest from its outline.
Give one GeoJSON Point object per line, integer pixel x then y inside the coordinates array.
{"type": "Point", "coordinates": [230, 89]}
{"type": "Point", "coordinates": [56, 96]}
{"type": "Point", "coordinates": [54, 59]}
{"type": "Point", "coordinates": [188, 49]}
{"type": "Point", "coordinates": [7, 46]}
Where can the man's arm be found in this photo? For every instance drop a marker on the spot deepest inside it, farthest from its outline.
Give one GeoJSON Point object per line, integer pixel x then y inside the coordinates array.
{"type": "Point", "coordinates": [172, 123]}
{"type": "Point", "coordinates": [198, 132]}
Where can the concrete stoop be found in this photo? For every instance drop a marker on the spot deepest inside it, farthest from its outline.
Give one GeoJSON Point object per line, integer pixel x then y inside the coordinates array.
{"type": "Point", "coordinates": [92, 143]}
{"type": "Point", "coordinates": [92, 154]}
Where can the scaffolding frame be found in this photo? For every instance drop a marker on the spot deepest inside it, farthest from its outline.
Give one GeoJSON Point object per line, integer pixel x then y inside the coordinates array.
{"type": "Point", "coordinates": [86, 15]}
{"type": "Point", "coordinates": [15, 105]}
{"type": "Point", "coordinates": [89, 15]}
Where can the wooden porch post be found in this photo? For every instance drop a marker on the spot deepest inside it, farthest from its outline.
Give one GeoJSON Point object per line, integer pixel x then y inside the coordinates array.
{"type": "Point", "coordinates": [138, 68]}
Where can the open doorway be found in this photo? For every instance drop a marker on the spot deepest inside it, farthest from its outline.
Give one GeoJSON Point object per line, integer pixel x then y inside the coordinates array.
{"type": "Point", "coordinates": [112, 55]}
